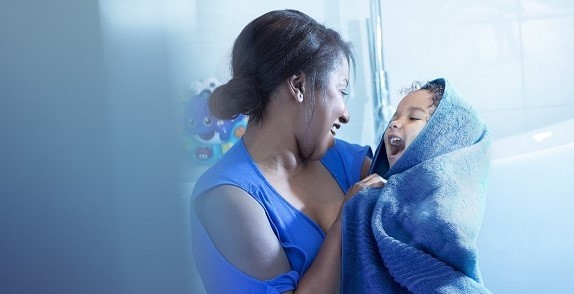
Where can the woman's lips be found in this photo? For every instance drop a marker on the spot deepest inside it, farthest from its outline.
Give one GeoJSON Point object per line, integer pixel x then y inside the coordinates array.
{"type": "Point", "coordinates": [334, 128]}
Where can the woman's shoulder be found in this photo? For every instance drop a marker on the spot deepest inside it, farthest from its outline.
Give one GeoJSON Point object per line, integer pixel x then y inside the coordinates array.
{"type": "Point", "coordinates": [344, 152]}
{"type": "Point", "coordinates": [344, 146]}
{"type": "Point", "coordinates": [345, 162]}
{"type": "Point", "coordinates": [234, 168]}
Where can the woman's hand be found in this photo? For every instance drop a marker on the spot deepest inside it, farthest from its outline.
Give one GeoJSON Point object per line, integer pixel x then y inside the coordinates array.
{"type": "Point", "coordinates": [373, 180]}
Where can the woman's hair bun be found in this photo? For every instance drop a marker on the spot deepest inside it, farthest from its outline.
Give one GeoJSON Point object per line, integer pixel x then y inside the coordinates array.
{"type": "Point", "coordinates": [240, 95]}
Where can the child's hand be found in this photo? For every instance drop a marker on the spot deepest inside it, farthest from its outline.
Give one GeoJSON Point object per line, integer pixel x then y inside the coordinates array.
{"type": "Point", "coordinates": [373, 180]}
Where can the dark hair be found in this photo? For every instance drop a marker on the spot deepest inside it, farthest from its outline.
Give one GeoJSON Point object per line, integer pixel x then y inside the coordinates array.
{"type": "Point", "coordinates": [269, 50]}
{"type": "Point", "coordinates": [435, 87]}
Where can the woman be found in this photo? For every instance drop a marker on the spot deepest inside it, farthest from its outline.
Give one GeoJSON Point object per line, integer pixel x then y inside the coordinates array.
{"type": "Point", "coordinates": [268, 212]}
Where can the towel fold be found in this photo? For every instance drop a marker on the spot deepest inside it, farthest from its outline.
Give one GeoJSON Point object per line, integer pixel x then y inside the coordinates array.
{"type": "Point", "coordinates": [418, 233]}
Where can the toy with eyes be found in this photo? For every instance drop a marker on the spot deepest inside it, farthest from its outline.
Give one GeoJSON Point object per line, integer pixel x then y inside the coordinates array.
{"type": "Point", "coordinates": [207, 137]}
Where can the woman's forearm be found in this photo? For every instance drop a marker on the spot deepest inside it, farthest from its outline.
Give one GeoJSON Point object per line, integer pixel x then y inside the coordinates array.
{"type": "Point", "coordinates": [324, 275]}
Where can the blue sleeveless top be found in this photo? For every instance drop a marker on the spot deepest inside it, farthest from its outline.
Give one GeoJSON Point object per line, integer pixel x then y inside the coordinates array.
{"type": "Point", "coordinates": [300, 236]}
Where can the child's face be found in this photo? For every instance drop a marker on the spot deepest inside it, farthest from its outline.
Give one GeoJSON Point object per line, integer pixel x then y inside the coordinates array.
{"type": "Point", "coordinates": [411, 116]}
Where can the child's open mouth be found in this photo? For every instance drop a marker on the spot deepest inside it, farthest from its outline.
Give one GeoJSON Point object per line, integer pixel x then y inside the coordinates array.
{"type": "Point", "coordinates": [397, 145]}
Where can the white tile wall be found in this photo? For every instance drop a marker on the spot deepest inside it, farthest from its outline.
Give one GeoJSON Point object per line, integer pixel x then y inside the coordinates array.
{"type": "Point", "coordinates": [505, 56]}
{"type": "Point", "coordinates": [505, 123]}
{"type": "Point", "coordinates": [548, 61]}
{"type": "Point", "coordinates": [546, 8]}
{"type": "Point", "coordinates": [542, 116]}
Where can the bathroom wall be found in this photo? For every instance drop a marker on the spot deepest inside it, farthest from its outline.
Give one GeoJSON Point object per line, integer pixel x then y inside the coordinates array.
{"type": "Point", "coordinates": [509, 57]}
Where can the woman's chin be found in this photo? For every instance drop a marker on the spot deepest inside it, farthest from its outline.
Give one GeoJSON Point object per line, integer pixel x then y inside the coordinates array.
{"type": "Point", "coordinates": [331, 141]}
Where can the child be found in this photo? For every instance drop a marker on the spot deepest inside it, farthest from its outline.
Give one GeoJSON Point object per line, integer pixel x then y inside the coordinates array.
{"type": "Point", "coordinates": [417, 234]}
{"type": "Point", "coordinates": [412, 114]}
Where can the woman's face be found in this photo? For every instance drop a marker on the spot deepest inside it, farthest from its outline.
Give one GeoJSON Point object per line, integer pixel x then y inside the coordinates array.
{"type": "Point", "coordinates": [327, 113]}
{"type": "Point", "coordinates": [411, 116]}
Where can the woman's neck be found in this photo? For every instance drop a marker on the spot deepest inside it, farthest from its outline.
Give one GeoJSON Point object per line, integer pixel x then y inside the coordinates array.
{"type": "Point", "coordinates": [273, 147]}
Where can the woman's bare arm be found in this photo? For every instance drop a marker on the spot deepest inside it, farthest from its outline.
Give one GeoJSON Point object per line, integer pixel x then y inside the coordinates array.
{"type": "Point", "coordinates": [238, 226]}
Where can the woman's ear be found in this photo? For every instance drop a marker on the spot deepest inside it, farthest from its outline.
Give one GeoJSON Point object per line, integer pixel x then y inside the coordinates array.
{"type": "Point", "coordinates": [296, 85]}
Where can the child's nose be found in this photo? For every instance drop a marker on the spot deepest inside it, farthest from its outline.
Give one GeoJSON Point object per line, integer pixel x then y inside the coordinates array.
{"type": "Point", "coordinates": [395, 124]}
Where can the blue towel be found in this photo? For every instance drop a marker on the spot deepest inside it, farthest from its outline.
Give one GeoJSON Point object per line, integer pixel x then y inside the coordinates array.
{"type": "Point", "coordinates": [418, 233]}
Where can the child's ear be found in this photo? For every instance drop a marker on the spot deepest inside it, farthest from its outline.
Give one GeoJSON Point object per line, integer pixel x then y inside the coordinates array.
{"type": "Point", "coordinates": [297, 85]}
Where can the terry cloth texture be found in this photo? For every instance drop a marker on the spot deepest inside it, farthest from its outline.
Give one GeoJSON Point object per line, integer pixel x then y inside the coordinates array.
{"type": "Point", "coordinates": [418, 233]}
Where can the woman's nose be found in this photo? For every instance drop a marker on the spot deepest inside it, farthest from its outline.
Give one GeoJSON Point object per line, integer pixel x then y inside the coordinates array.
{"type": "Point", "coordinates": [345, 117]}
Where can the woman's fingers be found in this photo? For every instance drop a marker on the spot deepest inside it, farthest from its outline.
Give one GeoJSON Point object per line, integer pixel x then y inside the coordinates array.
{"type": "Point", "coordinates": [373, 180]}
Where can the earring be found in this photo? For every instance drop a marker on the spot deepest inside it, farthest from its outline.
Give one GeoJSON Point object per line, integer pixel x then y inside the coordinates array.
{"type": "Point", "coordinates": [300, 97]}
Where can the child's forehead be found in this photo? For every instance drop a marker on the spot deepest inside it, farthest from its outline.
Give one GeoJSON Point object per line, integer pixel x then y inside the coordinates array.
{"type": "Point", "coordinates": [420, 98]}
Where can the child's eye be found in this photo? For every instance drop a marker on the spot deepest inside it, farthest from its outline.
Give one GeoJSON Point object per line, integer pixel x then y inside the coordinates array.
{"type": "Point", "coordinates": [414, 118]}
